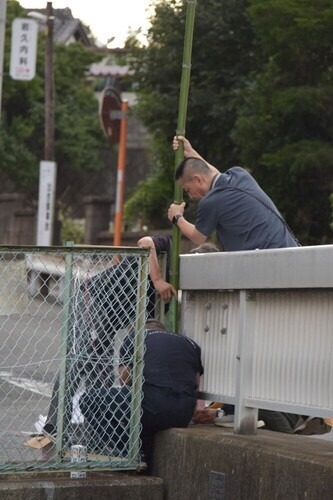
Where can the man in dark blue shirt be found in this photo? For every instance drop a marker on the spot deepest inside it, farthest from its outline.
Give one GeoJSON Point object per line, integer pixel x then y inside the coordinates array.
{"type": "Point", "coordinates": [171, 373]}
{"type": "Point", "coordinates": [232, 202]}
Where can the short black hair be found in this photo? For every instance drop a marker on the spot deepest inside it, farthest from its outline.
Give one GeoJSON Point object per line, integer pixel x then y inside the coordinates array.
{"type": "Point", "coordinates": [205, 248]}
{"type": "Point", "coordinates": [193, 163]}
{"type": "Point", "coordinates": [154, 324]}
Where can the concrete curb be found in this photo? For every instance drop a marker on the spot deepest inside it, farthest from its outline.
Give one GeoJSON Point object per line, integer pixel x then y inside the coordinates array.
{"type": "Point", "coordinates": [101, 486]}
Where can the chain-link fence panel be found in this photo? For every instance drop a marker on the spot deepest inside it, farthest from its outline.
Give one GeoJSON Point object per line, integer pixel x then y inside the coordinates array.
{"type": "Point", "coordinates": [64, 314]}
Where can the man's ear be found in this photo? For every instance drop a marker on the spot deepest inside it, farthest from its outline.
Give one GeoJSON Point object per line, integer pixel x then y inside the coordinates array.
{"type": "Point", "coordinates": [197, 178]}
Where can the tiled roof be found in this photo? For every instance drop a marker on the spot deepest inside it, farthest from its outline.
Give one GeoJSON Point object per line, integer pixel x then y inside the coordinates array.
{"type": "Point", "coordinates": [66, 27]}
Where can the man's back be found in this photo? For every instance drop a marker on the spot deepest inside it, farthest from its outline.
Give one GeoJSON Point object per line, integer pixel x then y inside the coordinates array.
{"type": "Point", "coordinates": [242, 213]}
{"type": "Point", "coordinates": [171, 361]}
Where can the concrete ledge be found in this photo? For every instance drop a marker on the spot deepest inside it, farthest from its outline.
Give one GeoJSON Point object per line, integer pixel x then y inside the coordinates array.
{"type": "Point", "coordinates": [102, 486]}
{"type": "Point", "coordinates": [266, 466]}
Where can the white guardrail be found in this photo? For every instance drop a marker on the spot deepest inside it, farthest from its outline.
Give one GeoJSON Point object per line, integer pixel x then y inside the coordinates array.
{"type": "Point", "coordinates": [264, 321]}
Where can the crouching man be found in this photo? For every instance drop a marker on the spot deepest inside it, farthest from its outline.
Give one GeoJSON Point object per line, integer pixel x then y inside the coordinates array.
{"type": "Point", "coordinates": [171, 373]}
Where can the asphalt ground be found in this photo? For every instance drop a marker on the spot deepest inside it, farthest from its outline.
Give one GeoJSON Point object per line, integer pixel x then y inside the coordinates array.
{"type": "Point", "coordinates": [29, 355]}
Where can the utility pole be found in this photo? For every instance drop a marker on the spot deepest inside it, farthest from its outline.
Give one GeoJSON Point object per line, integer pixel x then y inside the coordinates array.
{"type": "Point", "coordinates": [3, 8]}
{"type": "Point", "coordinates": [49, 86]}
{"type": "Point", "coordinates": [48, 167]}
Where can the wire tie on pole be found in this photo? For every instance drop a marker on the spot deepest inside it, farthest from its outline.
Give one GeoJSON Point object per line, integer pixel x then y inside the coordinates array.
{"type": "Point", "coordinates": [188, 66]}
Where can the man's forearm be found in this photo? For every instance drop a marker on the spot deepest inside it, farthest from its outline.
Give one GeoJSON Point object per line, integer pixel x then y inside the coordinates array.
{"type": "Point", "coordinates": [154, 272]}
{"type": "Point", "coordinates": [189, 230]}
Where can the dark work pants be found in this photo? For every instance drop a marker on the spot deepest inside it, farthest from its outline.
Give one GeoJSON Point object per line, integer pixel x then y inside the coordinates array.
{"type": "Point", "coordinates": [107, 410]}
{"type": "Point", "coordinates": [92, 373]}
{"type": "Point", "coordinates": [162, 409]}
{"type": "Point", "coordinates": [274, 420]}
{"type": "Point", "coordinates": [279, 421]}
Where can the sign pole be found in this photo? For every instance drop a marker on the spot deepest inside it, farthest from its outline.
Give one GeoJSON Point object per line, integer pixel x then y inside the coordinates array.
{"type": "Point", "coordinates": [118, 221]}
{"type": "Point", "coordinates": [113, 117]}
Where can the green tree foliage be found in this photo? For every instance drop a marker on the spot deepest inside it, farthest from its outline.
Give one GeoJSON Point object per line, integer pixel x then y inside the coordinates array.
{"type": "Point", "coordinates": [78, 135]}
{"type": "Point", "coordinates": [222, 56]}
{"type": "Point", "coordinates": [260, 96]}
{"type": "Point", "coordinates": [285, 125]}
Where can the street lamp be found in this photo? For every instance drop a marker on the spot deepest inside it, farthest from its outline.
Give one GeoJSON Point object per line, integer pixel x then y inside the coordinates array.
{"type": "Point", "coordinates": [47, 175]}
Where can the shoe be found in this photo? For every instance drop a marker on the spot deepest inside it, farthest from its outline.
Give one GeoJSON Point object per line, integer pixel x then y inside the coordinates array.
{"type": "Point", "coordinates": [142, 465]}
{"type": "Point", "coordinates": [301, 424]}
{"type": "Point", "coordinates": [49, 432]}
{"type": "Point", "coordinates": [39, 424]}
{"type": "Point", "coordinates": [225, 421]}
{"type": "Point", "coordinates": [228, 421]}
{"type": "Point", "coordinates": [312, 426]}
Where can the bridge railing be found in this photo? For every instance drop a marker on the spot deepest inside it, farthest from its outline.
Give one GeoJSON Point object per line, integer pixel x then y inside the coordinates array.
{"type": "Point", "coordinates": [264, 321]}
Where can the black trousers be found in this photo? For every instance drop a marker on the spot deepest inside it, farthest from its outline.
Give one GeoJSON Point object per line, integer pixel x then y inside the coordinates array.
{"type": "Point", "coordinates": [107, 411]}
{"type": "Point", "coordinates": [162, 409]}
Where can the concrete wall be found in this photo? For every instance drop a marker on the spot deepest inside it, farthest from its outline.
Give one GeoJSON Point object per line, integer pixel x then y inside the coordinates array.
{"type": "Point", "coordinates": [101, 486]}
{"type": "Point", "coordinates": [205, 462]}
{"type": "Point", "coordinates": [17, 222]}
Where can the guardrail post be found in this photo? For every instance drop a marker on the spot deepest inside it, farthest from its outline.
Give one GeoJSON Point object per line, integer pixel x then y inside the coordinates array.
{"type": "Point", "coordinates": [245, 417]}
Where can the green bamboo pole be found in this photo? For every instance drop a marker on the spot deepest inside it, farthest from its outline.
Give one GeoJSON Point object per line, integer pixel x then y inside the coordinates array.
{"type": "Point", "coordinates": [182, 113]}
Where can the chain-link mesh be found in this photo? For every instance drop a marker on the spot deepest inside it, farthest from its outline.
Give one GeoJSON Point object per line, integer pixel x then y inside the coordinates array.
{"type": "Point", "coordinates": [64, 314]}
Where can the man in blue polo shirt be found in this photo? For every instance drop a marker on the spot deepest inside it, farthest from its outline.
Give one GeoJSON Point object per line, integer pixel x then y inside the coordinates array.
{"type": "Point", "coordinates": [232, 202]}
{"type": "Point", "coordinates": [244, 217]}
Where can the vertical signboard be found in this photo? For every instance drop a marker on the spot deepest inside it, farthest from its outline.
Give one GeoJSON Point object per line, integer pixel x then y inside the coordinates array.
{"type": "Point", "coordinates": [46, 197]}
{"type": "Point", "coordinates": [23, 49]}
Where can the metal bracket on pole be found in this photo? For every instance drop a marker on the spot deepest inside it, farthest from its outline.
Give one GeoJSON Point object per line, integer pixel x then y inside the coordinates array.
{"type": "Point", "coordinates": [118, 115]}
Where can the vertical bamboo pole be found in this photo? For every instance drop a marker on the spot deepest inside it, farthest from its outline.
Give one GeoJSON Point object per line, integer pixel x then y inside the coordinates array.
{"type": "Point", "coordinates": [182, 113]}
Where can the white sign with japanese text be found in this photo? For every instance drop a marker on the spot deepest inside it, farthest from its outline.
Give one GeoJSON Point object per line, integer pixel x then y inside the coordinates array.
{"type": "Point", "coordinates": [46, 197]}
{"type": "Point", "coordinates": [23, 49]}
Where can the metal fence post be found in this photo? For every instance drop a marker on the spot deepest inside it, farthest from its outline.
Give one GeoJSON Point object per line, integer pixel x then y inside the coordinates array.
{"type": "Point", "coordinates": [138, 362]}
{"type": "Point", "coordinates": [65, 333]}
{"type": "Point", "coordinates": [245, 417]}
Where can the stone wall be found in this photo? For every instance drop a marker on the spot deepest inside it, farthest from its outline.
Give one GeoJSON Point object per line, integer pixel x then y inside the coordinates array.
{"type": "Point", "coordinates": [17, 221]}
